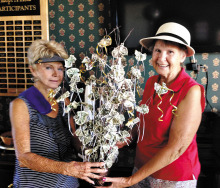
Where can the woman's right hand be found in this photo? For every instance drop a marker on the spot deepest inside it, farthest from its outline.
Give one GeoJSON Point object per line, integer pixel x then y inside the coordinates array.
{"type": "Point", "coordinates": [85, 170]}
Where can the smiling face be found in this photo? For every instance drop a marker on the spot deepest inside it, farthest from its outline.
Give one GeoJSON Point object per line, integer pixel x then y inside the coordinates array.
{"type": "Point", "coordinates": [49, 75]}
{"type": "Point", "coordinates": [166, 59]}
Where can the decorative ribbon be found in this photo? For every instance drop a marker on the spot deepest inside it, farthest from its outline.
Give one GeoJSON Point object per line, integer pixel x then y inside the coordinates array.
{"type": "Point", "coordinates": [163, 90]}
{"type": "Point", "coordinates": [159, 119]}
{"type": "Point", "coordinates": [106, 41]}
{"type": "Point", "coordinates": [174, 107]}
{"type": "Point", "coordinates": [137, 89]}
{"type": "Point", "coordinates": [51, 95]}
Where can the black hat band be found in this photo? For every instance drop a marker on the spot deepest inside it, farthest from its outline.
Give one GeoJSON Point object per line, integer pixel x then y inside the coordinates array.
{"type": "Point", "coordinates": [172, 35]}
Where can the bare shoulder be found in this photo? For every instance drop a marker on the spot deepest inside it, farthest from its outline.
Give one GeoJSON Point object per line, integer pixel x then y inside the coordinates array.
{"type": "Point", "coordinates": [17, 101]}
{"type": "Point", "coordinates": [18, 109]}
{"type": "Point", "coordinates": [18, 104]}
{"type": "Point", "coordinates": [195, 89]}
{"type": "Point", "coordinates": [191, 102]}
{"type": "Point", "coordinates": [194, 93]}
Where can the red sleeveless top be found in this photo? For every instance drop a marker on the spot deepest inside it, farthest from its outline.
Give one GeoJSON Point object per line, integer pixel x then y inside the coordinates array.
{"type": "Point", "coordinates": [156, 133]}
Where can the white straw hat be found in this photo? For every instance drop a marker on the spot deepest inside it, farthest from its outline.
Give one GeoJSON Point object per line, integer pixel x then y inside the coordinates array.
{"type": "Point", "coordinates": [172, 32]}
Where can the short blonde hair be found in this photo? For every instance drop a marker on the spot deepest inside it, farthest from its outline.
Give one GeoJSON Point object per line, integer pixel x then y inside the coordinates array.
{"type": "Point", "coordinates": [44, 49]}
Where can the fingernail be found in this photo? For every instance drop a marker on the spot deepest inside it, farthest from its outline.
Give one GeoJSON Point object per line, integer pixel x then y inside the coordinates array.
{"type": "Point", "coordinates": [103, 179]}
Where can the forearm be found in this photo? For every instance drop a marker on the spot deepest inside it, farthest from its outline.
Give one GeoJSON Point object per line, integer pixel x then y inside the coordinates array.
{"type": "Point", "coordinates": [163, 158]}
{"type": "Point", "coordinates": [41, 164]}
{"type": "Point", "coordinates": [83, 170]}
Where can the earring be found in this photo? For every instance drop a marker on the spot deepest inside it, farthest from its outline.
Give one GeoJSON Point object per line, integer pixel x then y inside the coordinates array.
{"type": "Point", "coordinates": [33, 79]}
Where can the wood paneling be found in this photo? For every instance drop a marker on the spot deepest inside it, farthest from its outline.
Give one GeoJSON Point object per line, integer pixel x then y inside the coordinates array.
{"type": "Point", "coordinates": [16, 35]}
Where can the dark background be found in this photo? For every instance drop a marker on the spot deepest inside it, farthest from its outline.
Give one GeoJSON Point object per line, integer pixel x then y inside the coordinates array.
{"type": "Point", "coordinates": [201, 18]}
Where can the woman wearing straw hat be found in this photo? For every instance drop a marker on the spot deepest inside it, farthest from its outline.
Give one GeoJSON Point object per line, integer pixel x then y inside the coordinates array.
{"type": "Point", "coordinates": [166, 153]}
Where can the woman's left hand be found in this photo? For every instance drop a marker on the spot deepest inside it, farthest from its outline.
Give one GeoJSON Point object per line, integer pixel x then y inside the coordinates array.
{"type": "Point", "coordinates": [117, 182]}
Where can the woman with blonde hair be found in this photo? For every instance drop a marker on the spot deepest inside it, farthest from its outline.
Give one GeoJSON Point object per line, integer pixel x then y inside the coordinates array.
{"type": "Point", "coordinates": [40, 131]}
